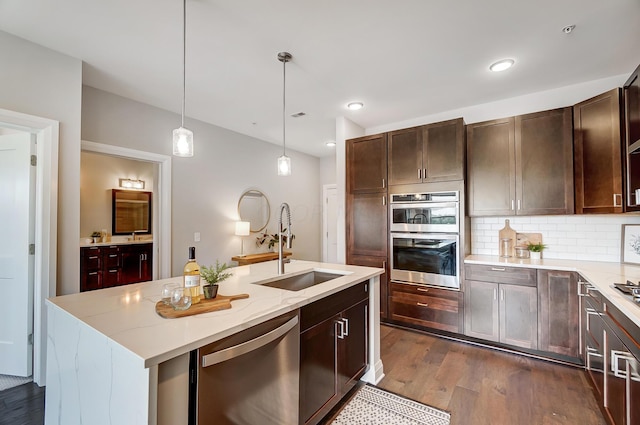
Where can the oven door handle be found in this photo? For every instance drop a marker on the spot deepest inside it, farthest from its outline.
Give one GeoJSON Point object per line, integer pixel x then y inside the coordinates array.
{"type": "Point", "coordinates": [425, 235]}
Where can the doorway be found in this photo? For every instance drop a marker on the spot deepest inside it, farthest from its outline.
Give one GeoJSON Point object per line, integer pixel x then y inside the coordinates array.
{"type": "Point", "coordinates": [161, 227]}
{"type": "Point", "coordinates": [45, 215]}
{"type": "Point", "coordinates": [329, 223]}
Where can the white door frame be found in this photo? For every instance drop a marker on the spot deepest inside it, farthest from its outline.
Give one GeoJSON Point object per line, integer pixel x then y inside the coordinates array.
{"type": "Point", "coordinates": [325, 224]}
{"type": "Point", "coordinates": [163, 236]}
{"type": "Point", "coordinates": [46, 238]}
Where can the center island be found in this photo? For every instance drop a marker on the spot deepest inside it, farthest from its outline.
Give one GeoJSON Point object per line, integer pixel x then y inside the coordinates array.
{"type": "Point", "coordinates": [111, 359]}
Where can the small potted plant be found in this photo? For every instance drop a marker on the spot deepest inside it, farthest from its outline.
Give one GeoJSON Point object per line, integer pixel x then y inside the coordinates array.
{"type": "Point", "coordinates": [535, 250]}
{"type": "Point", "coordinates": [96, 236]}
{"type": "Point", "coordinates": [212, 275]}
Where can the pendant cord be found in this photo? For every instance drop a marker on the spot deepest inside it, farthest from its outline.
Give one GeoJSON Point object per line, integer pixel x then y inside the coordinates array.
{"type": "Point", "coordinates": [284, 89]}
{"type": "Point", "coordinates": [184, 55]}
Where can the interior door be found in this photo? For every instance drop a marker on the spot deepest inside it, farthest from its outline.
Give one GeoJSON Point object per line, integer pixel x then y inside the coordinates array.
{"type": "Point", "coordinates": [17, 198]}
{"type": "Point", "coordinates": [330, 217]}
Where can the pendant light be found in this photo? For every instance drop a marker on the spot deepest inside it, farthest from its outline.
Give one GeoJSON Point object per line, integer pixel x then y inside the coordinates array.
{"type": "Point", "coordinates": [284, 162]}
{"type": "Point", "coordinates": [183, 137]}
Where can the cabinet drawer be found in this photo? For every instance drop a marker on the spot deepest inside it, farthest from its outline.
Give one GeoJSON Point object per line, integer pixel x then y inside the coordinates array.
{"type": "Point", "coordinates": [501, 274]}
{"type": "Point", "coordinates": [428, 307]}
{"type": "Point", "coordinates": [111, 277]}
{"type": "Point", "coordinates": [112, 258]}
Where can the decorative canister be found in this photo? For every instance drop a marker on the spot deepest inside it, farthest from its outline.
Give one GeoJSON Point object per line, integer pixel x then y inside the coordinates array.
{"type": "Point", "coordinates": [522, 252]}
{"type": "Point", "coordinates": [505, 247]}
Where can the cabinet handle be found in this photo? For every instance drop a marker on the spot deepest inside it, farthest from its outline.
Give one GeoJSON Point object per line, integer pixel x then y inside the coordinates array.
{"type": "Point", "coordinates": [502, 295]}
{"type": "Point", "coordinates": [615, 198]}
{"type": "Point", "coordinates": [383, 183]}
{"type": "Point", "coordinates": [384, 200]}
{"type": "Point", "coordinates": [93, 257]}
{"type": "Point", "coordinates": [498, 269]}
{"type": "Point", "coordinates": [518, 204]}
{"type": "Point", "coordinates": [419, 174]}
{"type": "Point", "coordinates": [495, 294]}
{"type": "Point", "coordinates": [423, 304]}
{"type": "Point", "coordinates": [340, 332]}
{"type": "Point", "coordinates": [424, 173]}
{"type": "Point", "coordinates": [113, 271]}
{"type": "Point", "coordinates": [93, 273]}
{"type": "Point", "coordinates": [512, 205]}
{"type": "Point", "coordinates": [423, 289]}
{"type": "Point", "coordinates": [113, 255]}
{"type": "Point", "coordinates": [346, 327]}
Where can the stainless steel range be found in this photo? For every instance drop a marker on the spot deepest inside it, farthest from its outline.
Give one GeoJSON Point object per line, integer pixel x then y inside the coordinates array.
{"type": "Point", "coordinates": [425, 238]}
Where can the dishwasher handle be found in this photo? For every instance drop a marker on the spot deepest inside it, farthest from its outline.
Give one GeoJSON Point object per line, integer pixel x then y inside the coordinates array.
{"type": "Point", "coordinates": [248, 346]}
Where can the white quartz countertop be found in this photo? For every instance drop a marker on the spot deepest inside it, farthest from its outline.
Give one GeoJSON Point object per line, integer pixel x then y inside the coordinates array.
{"type": "Point", "coordinates": [112, 243]}
{"type": "Point", "coordinates": [126, 314]}
{"type": "Point", "coordinates": [600, 274]}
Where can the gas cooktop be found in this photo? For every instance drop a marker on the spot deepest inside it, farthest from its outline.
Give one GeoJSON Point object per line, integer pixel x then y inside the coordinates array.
{"type": "Point", "coordinates": [631, 289]}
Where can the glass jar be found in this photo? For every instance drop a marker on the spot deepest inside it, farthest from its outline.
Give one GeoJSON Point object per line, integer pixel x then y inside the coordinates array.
{"type": "Point", "coordinates": [522, 252]}
{"type": "Point", "coordinates": [505, 247]}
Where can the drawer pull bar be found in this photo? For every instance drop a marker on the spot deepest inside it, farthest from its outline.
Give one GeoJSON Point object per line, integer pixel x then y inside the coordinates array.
{"type": "Point", "coordinates": [423, 289]}
{"type": "Point", "coordinates": [423, 304]}
{"type": "Point", "coordinates": [93, 257]}
{"type": "Point", "coordinates": [498, 269]}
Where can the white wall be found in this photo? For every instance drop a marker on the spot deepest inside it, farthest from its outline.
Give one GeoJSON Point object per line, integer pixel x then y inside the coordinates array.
{"type": "Point", "coordinates": [573, 237]}
{"type": "Point", "coordinates": [98, 175]}
{"type": "Point", "coordinates": [206, 188]}
{"type": "Point", "coordinates": [328, 170]}
{"type": "Point", "coordinates": [37, 81]}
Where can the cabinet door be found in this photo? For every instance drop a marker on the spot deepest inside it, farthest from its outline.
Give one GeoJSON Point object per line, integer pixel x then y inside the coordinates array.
{"type": "Point", "coordinates": [443, 151]}
{"type": "Point", "coordinates": [380, 262]}
{"type": "Point", "coordinates": [318, 368]}
{"type": "Point", "coordinates": [544, 163]}
{"type": "Point", "coordinates": [367, 224]}
{"type": "Point", "coordinates": [519, 316]}
{"type": "Point", "coordinates": [632, 136]}
{"type": "Point", "coordinates": [405, 156]}
{"type": "Point", "coordinates": [597, 154]}
{"type": "Point", "coordinates": [594, 346]}
{"type": "Point", "coordinates": [491, 168]}
{"type": "Point", "coordinates": [352, 334]}
{"type": "Point", "coordinates": [367, 163]}
{"type": "Point", "coordinates": [615, 394]}
{"type": "Point", "coordinates": [146, 262]}
{"type": "Point", "coordinates": [481, 310]}
{"type": "Point", "coordinates": [558, 330]}
{"type": "Point", "coordinates": [130, 265]}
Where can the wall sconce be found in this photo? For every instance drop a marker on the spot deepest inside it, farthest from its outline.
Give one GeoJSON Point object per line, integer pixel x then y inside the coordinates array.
{"type": "Point", "coordinates": [131, 184]}
{"type": "Point", "coordinates": [242, 229]}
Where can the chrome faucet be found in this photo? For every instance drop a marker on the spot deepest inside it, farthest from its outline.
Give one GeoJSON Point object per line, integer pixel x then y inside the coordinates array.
{"type": "Point", "coordinates": [282, 260]}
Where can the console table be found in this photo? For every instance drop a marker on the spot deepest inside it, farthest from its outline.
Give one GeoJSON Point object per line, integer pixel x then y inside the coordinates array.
{"type": "Point", "coordinates": [258, 258]}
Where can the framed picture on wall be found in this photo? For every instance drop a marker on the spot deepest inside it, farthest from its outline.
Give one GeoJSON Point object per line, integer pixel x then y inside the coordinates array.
{"type": "Point", "coordinates": [630, 244]}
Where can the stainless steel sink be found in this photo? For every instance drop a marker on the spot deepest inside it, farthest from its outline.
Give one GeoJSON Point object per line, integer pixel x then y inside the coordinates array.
{"type": "Point", "coordinates": [302, 281]}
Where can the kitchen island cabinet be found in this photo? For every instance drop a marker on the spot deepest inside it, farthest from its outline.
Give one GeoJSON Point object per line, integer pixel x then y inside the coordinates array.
{"type": "Point", "coordinates": [112, 359]}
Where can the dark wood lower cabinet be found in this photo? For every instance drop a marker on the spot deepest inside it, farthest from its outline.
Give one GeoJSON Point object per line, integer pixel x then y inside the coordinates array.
{"type": "Point", "coordinates": [426, 307]}
{"type": "Point", "coordinates": [115, 265]}
{"type": "Point", "coordinates": [333, 350]}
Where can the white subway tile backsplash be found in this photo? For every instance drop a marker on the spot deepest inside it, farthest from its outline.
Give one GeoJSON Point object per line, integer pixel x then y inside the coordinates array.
{"type": "Point", "coordinates": [573, 237]}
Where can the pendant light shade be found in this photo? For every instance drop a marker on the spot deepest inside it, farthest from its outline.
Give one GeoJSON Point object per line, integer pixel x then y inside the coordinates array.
{"type": "Point", "coordinates": [183, 137]}
{"type": "Point", "coordinates": [284, 162]}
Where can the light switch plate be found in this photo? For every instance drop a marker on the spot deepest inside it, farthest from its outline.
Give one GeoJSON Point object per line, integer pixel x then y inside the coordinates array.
{"type": "Point", "coordinates": [196, 237]}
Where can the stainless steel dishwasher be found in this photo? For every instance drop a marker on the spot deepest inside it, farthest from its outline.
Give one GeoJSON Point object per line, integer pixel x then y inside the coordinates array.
{"type": "Point", "coordinates": [249, 378]}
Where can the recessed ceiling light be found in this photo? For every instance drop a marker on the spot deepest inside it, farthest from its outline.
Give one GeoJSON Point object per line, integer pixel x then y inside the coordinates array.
{"type": "Point", "coordinates": [354, 106]}
{"type": "Point", "coordinates": [502, 65]}
{"type": "Point", "coordinates": [331, 144]}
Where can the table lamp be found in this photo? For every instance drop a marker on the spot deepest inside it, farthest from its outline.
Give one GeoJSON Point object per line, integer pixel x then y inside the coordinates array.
{"type": "Point", "coordinates": [242, 229]}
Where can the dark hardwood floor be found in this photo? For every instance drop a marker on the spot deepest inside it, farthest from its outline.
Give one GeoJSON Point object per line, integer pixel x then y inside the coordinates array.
{"type": "Point", "coordinates": [482, 386]}
{"type": "Point", "coordinates": [22, 405]}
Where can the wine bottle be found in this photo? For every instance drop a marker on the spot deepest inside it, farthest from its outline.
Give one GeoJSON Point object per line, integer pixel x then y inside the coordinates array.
{"type": "Point", "coordinates": [191, 276]}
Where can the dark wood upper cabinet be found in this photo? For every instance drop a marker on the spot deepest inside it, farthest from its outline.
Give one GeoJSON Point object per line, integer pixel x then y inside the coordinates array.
{"type": "Point", "coordinates": [631, 94]}
{"type": "Point", "coordinates": [544, 163]}
{"type": "Point", "coordinates": [366, 225]}
{"type": "Point", "coordinates": [597, 154]}
{"type": "Point", "coordinates": [429, 153]}
{"type": "Point", "coordinates": [367, 163]}
{"type": "Point", "coordinates": [491, 167]}
{"type": "Point", "coordinates": [521, 165]}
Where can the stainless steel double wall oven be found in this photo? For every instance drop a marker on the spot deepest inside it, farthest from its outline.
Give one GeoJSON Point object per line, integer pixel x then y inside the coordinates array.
{"type": "Point", "coordinates": [425, 238]}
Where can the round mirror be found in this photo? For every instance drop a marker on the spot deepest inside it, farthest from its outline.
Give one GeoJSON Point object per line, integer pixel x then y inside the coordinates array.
{"type": "Point", "coordinates": [254, 207]}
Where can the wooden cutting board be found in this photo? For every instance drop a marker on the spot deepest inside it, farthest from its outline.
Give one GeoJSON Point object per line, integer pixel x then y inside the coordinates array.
{"type": "Point", "coordinates": [221, 302]}
{"type": "Point", "coordinates": [524, 239]}
{"type": "Point", "coordinates": [507, 233]}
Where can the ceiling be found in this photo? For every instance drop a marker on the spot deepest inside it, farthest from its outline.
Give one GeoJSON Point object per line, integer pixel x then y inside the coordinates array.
{"type": "Point", "coordinates": [404, 59]}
